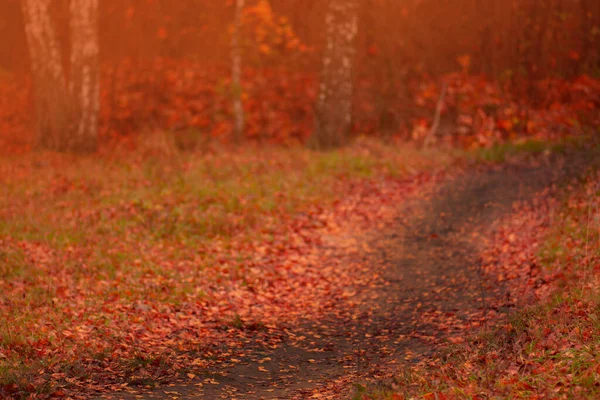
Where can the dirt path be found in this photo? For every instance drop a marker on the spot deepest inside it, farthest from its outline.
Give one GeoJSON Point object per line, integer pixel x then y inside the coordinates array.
{"type": "Point", "coordinates": [430, 291]}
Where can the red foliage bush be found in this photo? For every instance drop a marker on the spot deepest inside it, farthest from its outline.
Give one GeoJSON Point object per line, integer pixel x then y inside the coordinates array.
{"type": "Point", "coordinates": [193, 102]}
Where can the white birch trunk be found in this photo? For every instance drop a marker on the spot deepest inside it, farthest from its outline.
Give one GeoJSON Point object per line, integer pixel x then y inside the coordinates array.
{"type": "Point", "coordinates": [236, 72]}
{"type": "Point", "coordinates": [51, 99]}
{"type": "Point", "coordinates": [66, 111]}
{"type": "Point", "coordinates": [84, 85]}
{"type": "Point", "coordinates": [333, 114]}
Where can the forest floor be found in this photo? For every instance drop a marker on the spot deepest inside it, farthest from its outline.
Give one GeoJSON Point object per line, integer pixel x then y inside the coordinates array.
{"type": "Point", "coordinates": [327, 289]}
{"type": "Point", "coordinates": [545, 256]}
{"type": "Point", "coordinates": [427, 288]}
{"type": "Point", "coordinates": [130, 270]}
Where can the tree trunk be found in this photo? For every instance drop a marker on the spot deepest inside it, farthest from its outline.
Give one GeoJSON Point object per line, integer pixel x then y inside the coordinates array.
{"type": "Point", "coordinates": [53, 113]}
{"type": "Point", "coordinates": [236, 73]}
{"type": "Point", "coordinates": [333, 114]}
{"type": "Point", "coordinates": [66, 111]}
{"type": "Point", "coordinates": [84, 85]}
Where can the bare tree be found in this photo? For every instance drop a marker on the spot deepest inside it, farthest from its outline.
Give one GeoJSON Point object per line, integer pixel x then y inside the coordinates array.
{"type": "Point", "coordinates": [333, 116]}
{"type": "Point", "coordinates": [66, 110]}
{"type": "Point", "coordinates": [236, 72]}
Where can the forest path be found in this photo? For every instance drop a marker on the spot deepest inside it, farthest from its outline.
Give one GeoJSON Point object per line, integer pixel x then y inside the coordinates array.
{"type": "Point", "coordinates": [430, 291]}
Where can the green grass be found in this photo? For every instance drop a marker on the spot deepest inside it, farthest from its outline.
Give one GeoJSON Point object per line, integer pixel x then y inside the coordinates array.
{"type": "Point", "coordinates": [191, 199]}
{"type": "Point", "coordinates": [502, 152]}
{"type": "Point", "coordinates": [13, 263]}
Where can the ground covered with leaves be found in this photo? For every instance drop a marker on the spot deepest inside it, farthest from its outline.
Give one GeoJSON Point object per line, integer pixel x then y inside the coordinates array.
{"type": "Point", "coordinates": [285, 273]}
{"type": "Point", "coordinates": [542, 341]}
{"type": "Point", "coordinates": [281, 272]}
{"type": "Point", "coordinates": [126, 271]}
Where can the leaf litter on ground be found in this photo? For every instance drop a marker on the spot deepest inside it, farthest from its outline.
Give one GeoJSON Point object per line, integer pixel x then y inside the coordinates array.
{"type": "Point", "coordinates": [122, 275]}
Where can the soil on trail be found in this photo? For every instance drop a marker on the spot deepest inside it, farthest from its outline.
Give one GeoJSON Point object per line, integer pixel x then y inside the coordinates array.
{"type": "Point", "coordinates": [430, 291]}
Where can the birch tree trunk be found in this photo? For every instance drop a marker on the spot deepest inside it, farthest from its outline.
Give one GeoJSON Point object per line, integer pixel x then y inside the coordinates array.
{"type": "Point", "coordinates": [236, 72]}
{"type": "Point", "coordinates": [84, 85]}
{"type": "Point", "coordinates": [66, 110]}
{"type": "Point", "coordinates": [333, 113]}
{"type": "Point", "coordinates": [52, 108]}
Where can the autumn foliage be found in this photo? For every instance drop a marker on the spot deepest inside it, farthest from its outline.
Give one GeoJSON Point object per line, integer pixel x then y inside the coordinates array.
{"type": "Point", "coordinates": [164, 70]}
{"type": "Point", "coordinates": [194, 104]}
{"type": "Point", "coordinates": [175, 250]}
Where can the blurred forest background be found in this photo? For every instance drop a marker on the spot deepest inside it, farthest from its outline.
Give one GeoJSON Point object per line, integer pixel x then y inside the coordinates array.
{"type": "Point", "coordinates": [208, 222]}
{"type": "Point", "coordinates": [511, 68]}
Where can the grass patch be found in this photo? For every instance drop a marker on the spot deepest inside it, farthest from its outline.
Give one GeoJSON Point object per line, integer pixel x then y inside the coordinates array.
{"type": "Point", "coordinates": [502, 152]}
{"type": "Point", "coordinates": [13, 263]}
{"type": "Point", "coordinates": [499, 153]}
